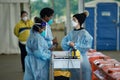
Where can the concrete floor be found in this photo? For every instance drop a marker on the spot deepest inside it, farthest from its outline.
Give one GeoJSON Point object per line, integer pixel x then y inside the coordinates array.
{"type": "Point", "coordinates": [112, 54]}
{"type": "Point", "coordinates": [10, 65]}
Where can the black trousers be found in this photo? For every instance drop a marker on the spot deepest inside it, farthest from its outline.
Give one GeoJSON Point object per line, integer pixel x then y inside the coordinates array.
{"type": "Point", "coordinates": [23, 54]}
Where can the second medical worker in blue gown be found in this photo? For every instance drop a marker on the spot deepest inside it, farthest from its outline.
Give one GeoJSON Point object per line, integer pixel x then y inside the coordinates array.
{"type": "Point", "coordinates": [38, 57]}
{"type": "Point", "coordinates": [46, 14]}
{"type": "Point", "coordinates": [79, 39]}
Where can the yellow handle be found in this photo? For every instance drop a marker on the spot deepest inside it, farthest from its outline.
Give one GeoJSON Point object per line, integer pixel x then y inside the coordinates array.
{"type": "Point", "coordinates": [77, 53]}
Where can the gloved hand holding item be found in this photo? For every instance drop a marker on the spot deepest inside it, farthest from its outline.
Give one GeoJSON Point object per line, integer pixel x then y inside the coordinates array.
{"type": "Point", "coordinates": [55, 42]}
{"type": "Point", "coordinates": [72, 44]}
{"type": "Point", "coordinates": [52, 48]}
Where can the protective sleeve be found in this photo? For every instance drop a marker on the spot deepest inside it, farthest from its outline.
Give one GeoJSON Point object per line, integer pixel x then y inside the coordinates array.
{"type": "Point", "coordinates": [42, 51]}
{"type": "Point", "coordinates": [50, 43]}
{"type": "Point", "coordinates": [85, 42]}
{"type": "Point", "coordinates": [65, 43]}
{"type": "Point", "coordinates": [49, 34]}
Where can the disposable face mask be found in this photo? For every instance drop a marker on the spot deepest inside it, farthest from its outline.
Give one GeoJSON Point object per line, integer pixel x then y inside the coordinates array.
{"type": "Point", "coordinates": [50, 22]}
{"type": "Point", "coordinates": [74, 24]}
{"type": "Point", "coordinates": [25, 18]}
{"type": "Point", "coordinates": [43, 33]}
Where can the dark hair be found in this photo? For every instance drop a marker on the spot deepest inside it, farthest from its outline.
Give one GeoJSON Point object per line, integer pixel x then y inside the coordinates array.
{"type": "Point", "coordinates": [38, 24]}
{"type": "Point", "coordinates": [37, 20]}
{"type": "Point", "coordinates": [81, 17]}
{"type": "Point", "coordinates": [35, 28]}
{"type": "Point", "coordinates": [22, 12]}
{"type": "Point", "coordinates": [46, 12]}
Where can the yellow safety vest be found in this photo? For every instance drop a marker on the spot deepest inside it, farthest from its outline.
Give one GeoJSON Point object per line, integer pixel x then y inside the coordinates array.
{"type": "Point", "coordinates": [22, 30]}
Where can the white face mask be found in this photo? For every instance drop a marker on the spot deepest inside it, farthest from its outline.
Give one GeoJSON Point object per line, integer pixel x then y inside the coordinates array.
{"type": "Point", "coordinates": [74, 24]}
{"type": "Point", "coordinates": [25, 18]}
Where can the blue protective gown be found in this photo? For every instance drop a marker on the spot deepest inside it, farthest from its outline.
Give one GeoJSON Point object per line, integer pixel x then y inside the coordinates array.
{"type": "Point", "coordinates": [83, 41]}
{"type": "Point", "coordinates": [37, 59]}
{"type": "Point", "coordinates": [48, 36]}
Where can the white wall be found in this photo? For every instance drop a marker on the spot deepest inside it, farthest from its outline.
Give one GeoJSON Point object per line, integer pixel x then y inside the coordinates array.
{"type": "Point", "coordinates": [9, 16]}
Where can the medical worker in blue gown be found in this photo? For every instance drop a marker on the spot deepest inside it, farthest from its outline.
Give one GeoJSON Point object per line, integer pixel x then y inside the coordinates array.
{"type": "Point", "coordinates": [79, 39]}
{"type": "Point", "coordinates": [46, 14]}
{"type": "Point", "coordinates": [38, 57]}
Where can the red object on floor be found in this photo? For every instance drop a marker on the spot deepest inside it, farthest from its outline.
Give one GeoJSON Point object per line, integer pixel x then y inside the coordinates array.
{"type": "Point", "coordinates": [107, 68]}
{"type": "Point", "coordinates": [93, 55]}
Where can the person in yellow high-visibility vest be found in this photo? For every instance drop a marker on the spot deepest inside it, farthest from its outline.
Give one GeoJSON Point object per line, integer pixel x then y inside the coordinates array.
{"type": "Point", "coordinates": [22, 31]}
